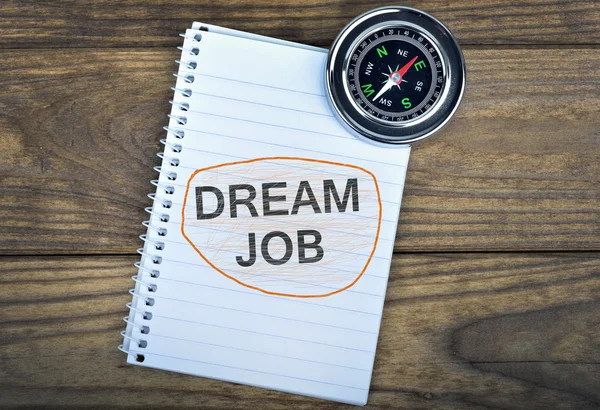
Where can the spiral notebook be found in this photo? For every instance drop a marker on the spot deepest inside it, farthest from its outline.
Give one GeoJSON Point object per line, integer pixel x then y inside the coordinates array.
{"type": "Point", "coordinates": [271, 232]}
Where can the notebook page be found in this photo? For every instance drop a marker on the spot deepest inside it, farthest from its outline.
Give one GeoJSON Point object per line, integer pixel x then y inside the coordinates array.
{"type": "Point", "coordinates": [258, 115]}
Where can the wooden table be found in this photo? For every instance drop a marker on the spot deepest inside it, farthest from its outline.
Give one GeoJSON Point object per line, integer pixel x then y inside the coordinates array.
{"type": "Point", "coordinates": [494, 294]}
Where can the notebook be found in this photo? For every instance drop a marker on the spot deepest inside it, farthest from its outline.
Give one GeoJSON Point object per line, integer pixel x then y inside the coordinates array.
{"type": "Point", "coordinates": [272, 228]}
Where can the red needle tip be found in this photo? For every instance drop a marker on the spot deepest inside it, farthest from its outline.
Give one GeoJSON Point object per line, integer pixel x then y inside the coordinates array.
{"type": "Point", "coordinates": [404, 69]}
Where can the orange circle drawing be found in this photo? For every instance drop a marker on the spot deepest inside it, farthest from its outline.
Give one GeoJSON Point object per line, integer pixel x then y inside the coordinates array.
{"type": "Point", "coordinates": [275, 159]}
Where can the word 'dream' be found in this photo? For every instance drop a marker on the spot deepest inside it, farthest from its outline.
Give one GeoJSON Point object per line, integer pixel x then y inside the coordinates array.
{"type": "Point", "coordinates": [292, 227]}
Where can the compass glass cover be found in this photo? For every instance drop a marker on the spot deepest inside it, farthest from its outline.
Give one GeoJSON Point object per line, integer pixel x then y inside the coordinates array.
{"type": "Point", "coordinates": [395, 74]}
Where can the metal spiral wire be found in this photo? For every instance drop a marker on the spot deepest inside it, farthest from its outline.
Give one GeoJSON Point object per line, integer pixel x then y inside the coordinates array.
{"type": "Point", "coordinates": [148, 267]}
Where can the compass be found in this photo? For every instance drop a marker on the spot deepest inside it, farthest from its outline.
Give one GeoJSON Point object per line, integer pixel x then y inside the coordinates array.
{"type": "Point", "coordinates": [395, 75]}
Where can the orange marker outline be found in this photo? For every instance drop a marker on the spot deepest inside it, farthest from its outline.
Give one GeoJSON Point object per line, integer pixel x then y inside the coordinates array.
{"type": "Point", "coordinates": [282, 158]}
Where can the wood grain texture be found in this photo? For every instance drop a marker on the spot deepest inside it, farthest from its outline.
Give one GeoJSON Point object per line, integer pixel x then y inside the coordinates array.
{"type": "Point", "coordinates": [518, 168]}
{"type": "Point", "coordinates": [142, 23]}
{"type": "Point", "coordinates": [84, 94]}
{"type": "Point", "coordinates": [473, 331]}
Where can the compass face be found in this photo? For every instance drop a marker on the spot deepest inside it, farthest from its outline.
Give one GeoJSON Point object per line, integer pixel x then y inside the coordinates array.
{"type": "Point", "coordinates": [395, 74]}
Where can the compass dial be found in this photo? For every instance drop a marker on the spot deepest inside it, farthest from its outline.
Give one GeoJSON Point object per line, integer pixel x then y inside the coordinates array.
{"type": "Point", "coordinates": [395, 74]}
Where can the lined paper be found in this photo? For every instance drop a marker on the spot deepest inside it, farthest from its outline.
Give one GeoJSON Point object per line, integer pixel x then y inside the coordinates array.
{"type": "Point", "coordinates": [256, 98]}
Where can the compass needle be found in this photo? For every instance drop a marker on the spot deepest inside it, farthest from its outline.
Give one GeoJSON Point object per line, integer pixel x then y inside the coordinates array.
{"type": "Point", "coordinates": [386, 87]}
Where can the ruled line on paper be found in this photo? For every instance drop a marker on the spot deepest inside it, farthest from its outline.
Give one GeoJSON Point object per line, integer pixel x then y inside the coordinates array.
{"type": "Point", "coordinates": [259, 104]}
{"type": "Point", "coordinates": [256, 84]}
{"type": "Point", "coordinates": [237, 329]}
{"type": "Point", "coordinates": [271, 277]}
{"type": "Point", "coordinates": [288, 146]}
{"type": "Point", "coordinates": [267, 124]}
{"type": "Point", "coordinates": [287, 223]}
{"type": "Point", "coordinates": [260, 294]}
{"type": "Point", "coordinates": [145, 353]}
{"type": "Point", "coordinates": [264, 314]}
{"type": "Point", "coordinates": [263, 353]}
{"type": "Point", "coordinates": [248, 177]}
{"type": "Point", "coordinates": [351, 272]}
{"type": "Point", "coordinates": [279, 163]}
{"type": "Point", "coordinates": [383, 258]}
{"type": "Point", "coordinates": [348, 215]}
{"type": "Point", "coordinates": [259, 180]}
{"type": "Point", "coordinates": [380, 182]}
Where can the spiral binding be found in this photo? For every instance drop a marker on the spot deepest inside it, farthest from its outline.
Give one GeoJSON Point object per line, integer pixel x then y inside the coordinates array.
{"type": "Point", "coordinates": [148, 266]}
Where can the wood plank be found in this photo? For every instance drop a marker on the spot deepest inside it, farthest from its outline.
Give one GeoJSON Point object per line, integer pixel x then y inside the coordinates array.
{"type": "Point", "coordinates": [517, 169]}
{"type": "Point", "coordinates": [459, 331]}
{"type": "Point", "coordinates": [142, 23]}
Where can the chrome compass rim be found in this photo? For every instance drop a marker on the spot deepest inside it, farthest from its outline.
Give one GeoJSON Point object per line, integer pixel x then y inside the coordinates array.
{"type": "Point", "coordinates": [406, 132]}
